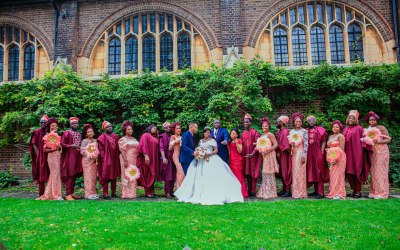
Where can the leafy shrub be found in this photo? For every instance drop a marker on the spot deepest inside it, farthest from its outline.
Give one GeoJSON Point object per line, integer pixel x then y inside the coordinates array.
{"type": "Point", "coordinates": [7, 179]}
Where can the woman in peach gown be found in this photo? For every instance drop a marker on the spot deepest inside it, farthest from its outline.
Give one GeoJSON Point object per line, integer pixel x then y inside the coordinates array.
{"type": "Point", "coordinates": [270, 165]}
{"type": "Point", "coordinates": [299, 158]}
{"type": "Point", "coordinates": [90, 153]}
{"type": "Point", "coordinates": [175, 145]}
{"type": "Point", "coordinates": [379, 188]}
{"type": "Point", "coordinates": [337, 170]}
{"type": "Point", "coordinates": [54, 184]}
{"type": "Point", "coordinates": [128, 148]}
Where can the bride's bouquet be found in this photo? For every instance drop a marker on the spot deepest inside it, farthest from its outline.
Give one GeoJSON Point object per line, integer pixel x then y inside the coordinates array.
{"type": "Point", "coordinates": [201, 153]}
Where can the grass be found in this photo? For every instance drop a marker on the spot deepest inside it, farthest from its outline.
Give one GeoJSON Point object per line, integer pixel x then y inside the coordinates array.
{"type": "Point", "coordinates": [285, 224]}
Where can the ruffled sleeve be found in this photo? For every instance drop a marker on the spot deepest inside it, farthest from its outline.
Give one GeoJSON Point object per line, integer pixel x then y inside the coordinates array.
{"type": "Point", "coordinates": [213, 143]}
{"type": "Point", "coordinates": [122, 143]}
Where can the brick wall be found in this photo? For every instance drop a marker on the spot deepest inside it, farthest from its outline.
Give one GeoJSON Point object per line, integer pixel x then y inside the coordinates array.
{"type": "Point", "coordinates": [11, 157]}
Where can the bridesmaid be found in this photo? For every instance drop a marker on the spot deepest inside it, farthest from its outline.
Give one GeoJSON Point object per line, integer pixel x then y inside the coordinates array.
{"type": "Point", "coordinates": [54, 184]}
{"type": "Point", "coordinates": [379, 188]}
{"type": "Point", "coordinates": [270, 165]}
{"type": "Point", "coordinates": [128, 148]}
{"type": "Point", "coordinates": [337, 170]}
{"type": "Point", "coordinates": [235, 147]}
{"type": "Point", "coordinates": [299, 153]}
{"type": "Point", "coordinates": [175, 145]}
{"type": "Point", "coordinates": [90, 153]}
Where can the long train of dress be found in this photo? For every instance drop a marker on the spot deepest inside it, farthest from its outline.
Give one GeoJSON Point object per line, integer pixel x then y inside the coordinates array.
{"type": "Point", "coordinates": [209, 182]}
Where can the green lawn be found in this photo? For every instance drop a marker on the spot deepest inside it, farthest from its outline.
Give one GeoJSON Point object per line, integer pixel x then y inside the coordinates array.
{"type": "Point", "coordinates": [290, 224]}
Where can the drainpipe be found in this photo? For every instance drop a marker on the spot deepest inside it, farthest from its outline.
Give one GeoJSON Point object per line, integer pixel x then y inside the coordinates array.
{"type": "Point", "coordinates": [396, 31]}
{"type": "Point", "coordinates": [56, 15]}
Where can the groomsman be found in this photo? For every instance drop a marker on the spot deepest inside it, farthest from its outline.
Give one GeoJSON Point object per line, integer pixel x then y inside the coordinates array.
{"type": "Point", "coordinates": [167, 167]}
{"type": "Point", "coordinates": [252, 163]}
{"type": "Point", "coordinates": [40, 170]}
{"type": "Point", "coordinates": [109, 168]}
{"type": "Point", "coordinates": [221, 136]}
{"type": "Point", "coordinates": [188, 153]}
{"type": "Point", "coordinates": [283, 155]}
{"type": "Point", "coordinates": [71, 159]}
{"type": "Point", "coordinates": [317, 171]}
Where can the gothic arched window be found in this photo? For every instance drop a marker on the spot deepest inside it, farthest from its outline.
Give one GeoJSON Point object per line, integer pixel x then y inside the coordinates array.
{"type": "Point", "coordinates": [355, 43]}
{"type": "Point", "coordinates": [166, 52]}
{"type": "Point", "coordinates": [299, 45]}
{"type": "Point", "coordinates": [114, 57]}
{"type": "Point", "coordinates": [318, 49]}
{"type": "Point", "coordinates": [336, 44]}
{"type": "Point", "coordinates": [281, 47]}
{"type": "Point", "coordinates": [184, 56]}
{"type": "Point", "coordinates": [131, 55]}
{"type": "Point", "coordinates": [13, 63]}
{"type": "Point", "coordinates": [29, 62]}
{"type": "Point", "coordinates": [149, 53]}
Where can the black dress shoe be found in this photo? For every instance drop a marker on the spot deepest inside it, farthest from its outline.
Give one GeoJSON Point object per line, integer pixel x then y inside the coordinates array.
{"type": "Point", "coordinates": [286, 194]}
{"type": "Point", "coordinates": [281, 192]}
{"type": "Point", "coordinates": [252, 195]}
{"type": "Point", "coordinates": [357, 196]}
{"type": "Point", "coordinates": [350, 194]}
{"type": "Point", "coordinates": [114, 195]}
{"type": "Point", "coordinates": [106, 197]}
{"type": "Point", "coordinates": [319, 196]}
{"type": "Point", "coordinates": [313, 194]}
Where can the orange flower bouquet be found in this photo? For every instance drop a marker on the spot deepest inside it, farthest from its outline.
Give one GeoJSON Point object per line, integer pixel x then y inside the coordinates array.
{"type": "Point", "coordinates": [295, 137]}
{"type": "Point", "coordinates": [263, 145]}
{"type": "Point", "coordinates": [91, 151]}
{"type": "Point", "coordinates": [370, 134]}
{"type": "Point", "coordinates": [52, 140]}
{"type": "Point", "coordinates": [333, 154]}
{"type": "Point", "coordinates": [132, 173]}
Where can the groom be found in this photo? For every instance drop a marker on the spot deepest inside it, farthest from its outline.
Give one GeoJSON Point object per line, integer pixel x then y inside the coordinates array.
{"type": "Point", "coordinates": [221, 137]}
{"type": "Point", "coordinates": [188, 145]}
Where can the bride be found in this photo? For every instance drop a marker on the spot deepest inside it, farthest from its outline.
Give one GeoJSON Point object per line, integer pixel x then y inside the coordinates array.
{"type": "Point", "coordinates": [209, 180]}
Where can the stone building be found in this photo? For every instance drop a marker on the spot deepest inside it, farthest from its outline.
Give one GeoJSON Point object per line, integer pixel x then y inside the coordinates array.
{"type": "Point", "coordinates": [127, 37]}
{"type": "Point", "coordinates": [121, 37]}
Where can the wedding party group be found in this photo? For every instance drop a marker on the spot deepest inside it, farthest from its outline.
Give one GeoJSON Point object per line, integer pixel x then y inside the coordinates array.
{"type": "Point", "coordinates": [224, 167]}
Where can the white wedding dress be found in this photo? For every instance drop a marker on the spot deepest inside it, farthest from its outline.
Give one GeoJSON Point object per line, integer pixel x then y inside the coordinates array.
{"type": "Point", "coordinates": [209, 182]}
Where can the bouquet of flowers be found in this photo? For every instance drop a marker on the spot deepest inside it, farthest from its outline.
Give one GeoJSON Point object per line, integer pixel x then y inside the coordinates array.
{"type": "Point", "coordinates": [132, 173]}
{"type": "Point", "coordinates": [52, 140]}
{"type": "Point", "coordinates": [370, 134]}
{"type": "Point", "coordinates": [176, 140]}
{"type": "Point", "coordinates": [91, 151]}
{"type": "Point", "coordinates": [296, 137]}
{"type": "Point", "coordinates": [201, 151]}
{"type": "Point", "coordinates": [333, 154]}
{"type": "Point", "coordinates": [262, 144]}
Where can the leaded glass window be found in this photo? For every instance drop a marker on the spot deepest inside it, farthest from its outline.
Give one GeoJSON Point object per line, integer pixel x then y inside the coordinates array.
{"type": "Point", "coordinates": [355, 43]}
{"type": "Point", "coordinates": [184, 51]}
{"type": "Point", "coordinates": [13, 64]}
{"type": "Point", "coordinates": [114, 57]}
{"type": "Point", "coordinates": [1, 63]}
{"type": "Point", "coordinates": [149, 53]}
{"type": "Point", "coordinates": [299, 46]}
{"type": "Point", "coordinates": [336, 44]}
{"type": "Point", "coordinates": [131, 55]}
{"type": "Point", "coordinates": [29, 62]}
{"type": "Point", "coordinates": [281, 47]}
{"type": "Point", "coordinates": [166, 52]}
{"type": "Point", "coordinates": [318, 49]}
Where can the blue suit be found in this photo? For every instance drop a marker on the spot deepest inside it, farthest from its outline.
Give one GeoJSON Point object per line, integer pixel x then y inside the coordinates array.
{"type": "Point", "coordinates": [222, 135]}
{"type": "Point", "coordinates": [187, 150]}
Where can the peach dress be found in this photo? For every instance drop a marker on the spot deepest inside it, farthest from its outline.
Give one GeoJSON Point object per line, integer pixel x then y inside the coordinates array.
{"type": "Point", "coordinates": [89, 166]}
{"type": "Point", "coordinates": [379, 188]}
{"type": "Point", "coordinates": [54, 184]}
{"type": "Point", "coordinates": [337, 171]}
{"type": "Point", "coordinates": [180, 175]}
{"type": "Point", "coordinates": [129, 145]}
{"type": "Point", "coordinates": [299, 174]}
{"type": "Point", "coordinates": [270, 166]}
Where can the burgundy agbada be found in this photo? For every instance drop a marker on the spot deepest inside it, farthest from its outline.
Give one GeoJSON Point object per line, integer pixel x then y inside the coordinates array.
{"type": "Point", "coordinates": [109, 166]}
{"type": "Point", "coordinates": [357, 162]}
{"type": "Point", "coordinates": [167, 171]}
{"type": "Point", "coordinates": [252, 165]}
{"type": "Point", "coordinates": [148, 173]}
{"type": "Point", "coordinates": [40, 169]}
{"type": "Point", "coordinates": [317, 169]}
{"type": "Point", "coordinates": [71, 159]}
{"type": "Point", "coordinates": [285, 163]}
